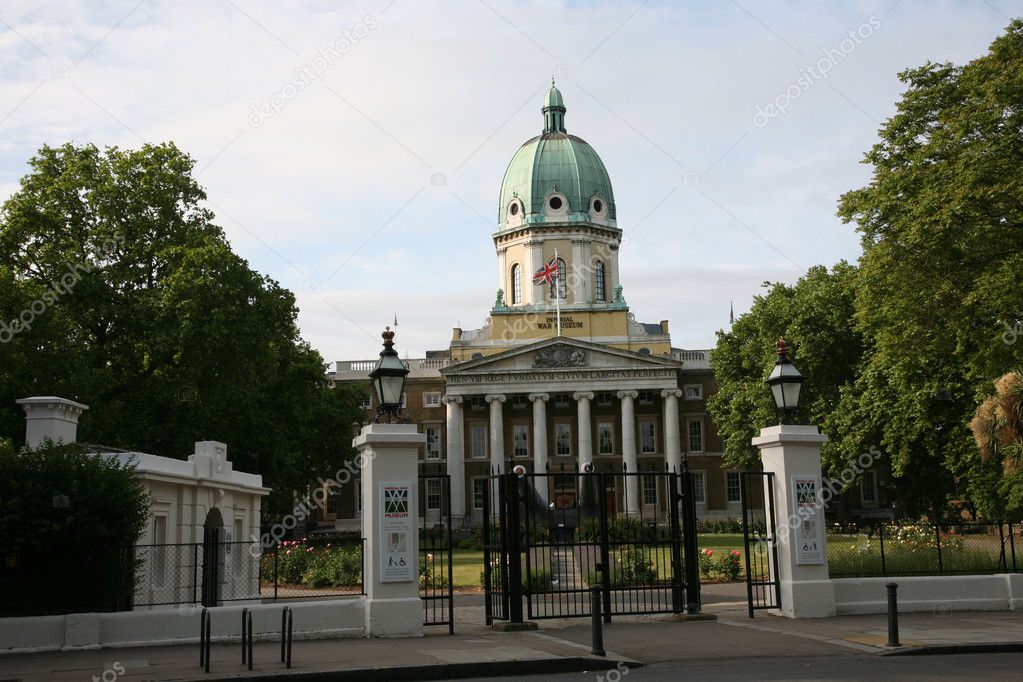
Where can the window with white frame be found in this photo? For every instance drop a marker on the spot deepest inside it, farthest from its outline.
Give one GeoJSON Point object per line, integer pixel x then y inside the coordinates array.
{"type": "Point", "coordinates": [699, 487]}
{"type": "Point", "coordinates": [333, 501]}
{"type": "Point", "coordinates": [478, 402]}
{"type": "Point", "coordinates": [519, 402]}
{"type": "Point", "coordinates": [561, 400]}
{"type": "Point", "coordinates": [693, 392]}
{"type": "Point", "coordinates": [516, 284]}
{"type": "Point", "coordinates": [432, 442]}
{"type": "Point", "coordinates": [604, 400]}
{"type": "Point", "coordinates": [646, 397]}
{"type": "Point", "coordinates": [648, 436]}
{"type": "Point", "coordinates": [868, 487]}
{"type": "Point", "coordinates": [520, 440]}
{"type": "Point", "coordinates": [559, 284]}
{"type": "Point", "coordinates": [563, 439]}
{"type": "Point", "coordinates": [404, 400]}
{"type": "Point", "coordinates": [694, 430]}
{"type": "Point", "coordinates": [649, 489]}
{"type": "Point", "coordinates": [431, 399]}
{"type": "Point", "coordinates": [599, 290]}
{"type": "Point", "coordinates": [433, 494]}
{"type": "Point", "coordinates": [478, 486]}
{"type": "Point", "coordinates": [605, 438]}
{"type": "Point", "coordinates": [358, 495]}
{"type": "Point", "coordinates": [733, 486]}
{"type": "Point", "coordinates": [367, 403]}
{"type": "Point", "coordinates": [478, 440]}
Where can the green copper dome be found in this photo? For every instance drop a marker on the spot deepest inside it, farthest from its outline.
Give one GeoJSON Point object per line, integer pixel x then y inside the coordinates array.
{"type": "Point", "coordinates": [560, 164]}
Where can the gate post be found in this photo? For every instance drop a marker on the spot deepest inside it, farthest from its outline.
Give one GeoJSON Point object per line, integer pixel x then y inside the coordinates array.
{"type": "Point", "coordinates": [390, 488]}
{"type": "Point", "coordinates": [793, 454]}
{"type": "Point", "coordinates": [692, 560]}
{"type": "Point", "coordinates": [514, 549]}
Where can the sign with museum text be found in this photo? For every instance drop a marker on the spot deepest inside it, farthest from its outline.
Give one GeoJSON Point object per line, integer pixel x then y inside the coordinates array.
{"type": "Point", "coordinates": [808, 520]}
{"type": "Point", "coordinates": [397, 562]}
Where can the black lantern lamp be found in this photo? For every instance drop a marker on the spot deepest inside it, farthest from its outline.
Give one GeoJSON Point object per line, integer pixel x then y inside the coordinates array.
{"type": "Point", "coordinates": [785, 382]}
{"type": "Point", "coordinates": [388, 379]}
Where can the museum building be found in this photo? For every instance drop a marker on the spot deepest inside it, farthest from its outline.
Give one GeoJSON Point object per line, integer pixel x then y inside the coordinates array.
{"type": "Point", "coordinates": [560, 374]}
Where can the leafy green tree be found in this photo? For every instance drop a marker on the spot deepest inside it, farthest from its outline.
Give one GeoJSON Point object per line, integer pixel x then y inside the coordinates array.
{"type": "Point", "coordinates": [941, 226]}
{"type": "Point", "coordinates": [118, 289]}
{"type": "Point", "coordinates": [815, 318]}
{"type": "Point", "coordinates": [64, 506]}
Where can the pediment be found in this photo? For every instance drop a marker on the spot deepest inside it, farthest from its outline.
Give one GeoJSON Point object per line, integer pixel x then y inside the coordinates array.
{"type": "Point", "coordinates": [563, 355]}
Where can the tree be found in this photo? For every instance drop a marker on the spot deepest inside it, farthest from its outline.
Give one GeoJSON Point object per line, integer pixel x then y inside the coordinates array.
{"type": "Point", "coordinates": [941, 226]}
{"type": "Point", "coordinates": [66, 505]}
{"type": "Point", "coordinates": [815, 318]}
{"type": "Point", "coordinates": [997, 430]}
{"type": "Point", "coordinates": [118, 289]}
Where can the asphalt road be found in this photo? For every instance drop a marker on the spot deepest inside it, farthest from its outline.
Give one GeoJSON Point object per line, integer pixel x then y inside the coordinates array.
{"type": "Point", "coordinates": [1007, 666]}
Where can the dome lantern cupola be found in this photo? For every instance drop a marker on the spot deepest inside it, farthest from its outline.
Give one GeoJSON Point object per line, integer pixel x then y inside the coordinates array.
{"type": "Point", "coordinates": [553, 111]}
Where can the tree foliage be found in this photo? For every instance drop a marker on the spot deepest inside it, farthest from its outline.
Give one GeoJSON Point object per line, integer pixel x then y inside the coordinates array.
{"type": "Point", "coordinates": [138, 307]}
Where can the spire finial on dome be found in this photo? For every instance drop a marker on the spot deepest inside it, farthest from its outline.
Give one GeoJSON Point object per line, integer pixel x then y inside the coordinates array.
{"type": "Point", "coordinates": [553, 111]}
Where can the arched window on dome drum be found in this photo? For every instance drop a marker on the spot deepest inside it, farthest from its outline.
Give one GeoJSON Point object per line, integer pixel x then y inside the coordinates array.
{"type": "Point", "coordinates": [600, 294]}
{"type": "Point", "coordinates": [559, 286]}
{"type": "Point", "coordinates": [516, 284]}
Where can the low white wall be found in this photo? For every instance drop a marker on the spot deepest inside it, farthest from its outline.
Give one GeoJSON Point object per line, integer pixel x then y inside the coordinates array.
{"type": "Point", "coordinates": [312, 620]}
{"type": "Point", "coordinates": [1002, 592]}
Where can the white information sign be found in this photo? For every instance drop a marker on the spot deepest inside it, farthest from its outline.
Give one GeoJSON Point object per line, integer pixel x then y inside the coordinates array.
{"type": "Point", "coordinates": [397, 564]}
{"type": "Point", "coordinates": [809, 532]}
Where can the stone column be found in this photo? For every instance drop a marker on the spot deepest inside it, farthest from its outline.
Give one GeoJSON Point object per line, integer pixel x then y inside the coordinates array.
{"type": "Point", "coordinates": [50, 417]}
{"type": "Point", "coordinates": [496, 401]}
{"type": "Point", "coordinates": [582, 272]}
{"type": "Point", "coordinates": [456, 454]}
{"type": "Point", "coordinates": [391, 578]}
{"type": "Point", "coordinates": [503, 281]}
{"type": "Point", "coordinates": [540, 455]}
{"type": "Point", "coordinates": [585, 426]}
{"type": "Point", "coordinates": [632, 502]}
{"type": "Point", "coordinates": [672, 438]}
{"type": "Point", "coordinates": [533, 293]}
{"type": "Point", "coordinates": [793, 454]}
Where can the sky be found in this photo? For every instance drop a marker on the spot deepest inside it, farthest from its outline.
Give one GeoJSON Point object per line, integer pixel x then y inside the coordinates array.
{"type": "Point", "coordinates": [354, 151]}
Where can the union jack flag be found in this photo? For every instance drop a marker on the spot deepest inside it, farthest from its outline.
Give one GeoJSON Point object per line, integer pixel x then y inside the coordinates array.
{"type": "Point", "coordinates": [547, 273]}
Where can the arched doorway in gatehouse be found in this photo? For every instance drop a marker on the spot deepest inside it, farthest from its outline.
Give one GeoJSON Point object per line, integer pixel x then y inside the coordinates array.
{"type": "Point", "coordinates": [212, 558]}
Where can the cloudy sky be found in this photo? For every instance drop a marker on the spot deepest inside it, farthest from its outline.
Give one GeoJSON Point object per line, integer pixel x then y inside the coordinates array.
{"type": "Point", "coordinates": [354, 150]}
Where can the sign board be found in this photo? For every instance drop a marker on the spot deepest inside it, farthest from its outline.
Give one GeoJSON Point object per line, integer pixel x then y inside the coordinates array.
{"type": "Point", "coordinates": [809, 514]}
{"type": "Point", "coordinates": [397, 563]}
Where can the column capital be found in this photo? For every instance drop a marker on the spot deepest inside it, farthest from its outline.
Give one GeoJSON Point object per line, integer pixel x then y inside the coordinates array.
{"type": "Point", "coordinates": [533, 397]}
{"type": "Point", "coordinates": [491, 397]}
{"type": "Point", "coordinates": [449, 399]}
{"type": "Point", "coordinates": [583, 395]}
{"type": "Point", "coordinates": [676, 392]}
{"type": "Point", "coordinates": [627, 394]}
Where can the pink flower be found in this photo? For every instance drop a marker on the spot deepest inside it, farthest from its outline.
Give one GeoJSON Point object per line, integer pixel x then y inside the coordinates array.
{"type": "Point", "coordinates": [288, 552]}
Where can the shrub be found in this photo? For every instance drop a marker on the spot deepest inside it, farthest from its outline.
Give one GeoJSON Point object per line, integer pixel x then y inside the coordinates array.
{"type": "Point", "coordinates": [299, 563]}
{"type": "Point", "coordinates": [621, 528]}
{"type": "Point", "coordinates": [706, 559]}
{"type": "Point", "coordinates": [636, 567]}
{"type": "Point", "coordinates": [730, 565]}
{"type": "Point", "coordinates": [469, 543]}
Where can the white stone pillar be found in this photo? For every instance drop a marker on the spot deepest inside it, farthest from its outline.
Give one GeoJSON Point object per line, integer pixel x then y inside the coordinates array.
{"type": "Point", "coordinates": [456, 454]}
{"type": "Point", "coordinates": [496, 401]}
{"type": "Point", "coordinates": [581, 272]}
{"type": "Point", "coordinates": [632, 501]}
{"type": "Point", "coordinates": [391, 579]}
{"type": "Point", "coordinates": [672, 438]}
{"type": "Point", "coordinates": [503, 280]}
{"type": "Point", "coordinates": [612, 273]}
{"type": "Point", "coordinates": [533, 292]}
{"type": "Point", "coordinates": [540, 455]}
{"type": "Point", "coordinates": [50, 417]}
{"type": "Point", "coordinates": [585, 425]}
{"type": "Point", "coordinates": [793, 454]}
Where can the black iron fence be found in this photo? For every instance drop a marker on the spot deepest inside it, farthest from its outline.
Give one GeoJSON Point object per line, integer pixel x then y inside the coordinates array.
{"type": "Point", "coordinates": [179, 574]}
{"type": "Point", "coordinates": [890, 548]}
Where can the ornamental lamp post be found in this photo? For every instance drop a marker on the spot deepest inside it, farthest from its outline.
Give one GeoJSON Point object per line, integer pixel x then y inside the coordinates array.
{"type": "Point", "coordinates": [785, 382]}
{"type": "Point", "coordinates": [388, 379]}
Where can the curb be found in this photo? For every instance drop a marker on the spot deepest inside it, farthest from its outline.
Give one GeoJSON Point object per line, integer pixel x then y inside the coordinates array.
{"type": "Point", "coordinates": [946, 649]}
{"type": "Point", "coordinates": [450, 671]}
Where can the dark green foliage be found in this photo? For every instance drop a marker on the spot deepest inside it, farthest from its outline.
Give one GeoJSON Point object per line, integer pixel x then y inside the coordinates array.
{"type": "Point", "coordinates": [73, 559]}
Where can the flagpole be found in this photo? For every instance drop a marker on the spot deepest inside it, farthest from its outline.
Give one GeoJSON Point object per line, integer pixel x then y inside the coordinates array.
{"type": "Point", "coordinates": [557, 290]}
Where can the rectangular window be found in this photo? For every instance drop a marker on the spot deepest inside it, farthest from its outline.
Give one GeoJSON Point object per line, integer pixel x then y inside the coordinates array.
{"type": "Point", "coordinates": [695, 431]}
{"type": "Point", "coordinates": [478, 402]}
{"type": "Point", "coordinates": [649, 490]}
{"type": "Point", "coordinates": [648, 437]}
{"type": "Point", "coordinates": [433, 494]}
{"type": "Point", "coordinates": [693, 392]}
{"type": "Point", "coordinates": [520, 440]}
{"type": "Point", "coordinates": [478, 485]}
{"type": "Point", "coordinates": [431, 399]}
{"type": "Point", "coordinates": [367, 403]}
{"type": "Point", "coordinates": [358, 495]}
{"type": "Point", "coordinates": [432, 442]}
{"type": "Point", "coordinates": [604, 400]}
{"type": "Point", "coordinates": [333, 501]}
{"type": "Point", "coordinates": [733, 486]}
{"type": "Point", "coordinates": [868, 488]}
{"type": "Point", "coordinates": [561, 401]}
{"type": "Point", "coordinates": [563, 439]}
{"type": "Point", "coordinates": [478, 433]}
{"type": "Point", "coordinates": [699, 487]}
{"type": "Point", "coordinates": [519, 402]}
{"type": "Point", "coordinates": [646, 397]}
{"type": "Point", "coordinates": [605, 438]}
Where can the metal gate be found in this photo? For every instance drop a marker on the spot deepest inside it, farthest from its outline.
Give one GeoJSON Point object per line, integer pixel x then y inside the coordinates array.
{"type": "Point", "coordinates": [763, 589]}
{"type": "Point", "coordinates": [435, 559]}
{"type": "Point", "coordinates": [552, 536]}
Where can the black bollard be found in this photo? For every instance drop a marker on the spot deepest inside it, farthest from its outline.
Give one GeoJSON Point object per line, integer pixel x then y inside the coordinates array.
{"type": "Point", "coordinates": [249, 644]}
{"type": "Point", "coordinates": [893, 615]}
{"type": "Point", "coordinates": [598, 622]}
{"type": "Point", "coordinates": [202, 637]}
{"type": "Point", "coordinates": [245, 632]}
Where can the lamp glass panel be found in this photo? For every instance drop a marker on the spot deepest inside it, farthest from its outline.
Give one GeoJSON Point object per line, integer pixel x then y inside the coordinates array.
{"type": "Point", "coordinates": [779, 399]}
{"type": "Point", "coordinates": [791, 393]}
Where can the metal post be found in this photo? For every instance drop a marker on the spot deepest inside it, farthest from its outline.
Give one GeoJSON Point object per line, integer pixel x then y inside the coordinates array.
{"type": "Point", "coordinates": [1001, 545]}
{"type": "Point", "coordinates": [1012, 546]}
{"type": "Point", "coordinates": [692, 566]}
{"type": "Point", "coordinates": [488, 609]}
{"type": "Point", "coordinates": [893, 615]}
{"type": "Point", "coordinates": [245, 633]}
{"type": "Point", "coordinates": [291, 622]}
{"type": "Point", "coordinates": [597, 623]}
{"type": "Point", "coordinates": [202, 637]}
{"type": "Point", "coordinates": [937, 534]}
{"type": "Point", "coordinates": [605, 548]}
{"type": "Point", "coordinates": [277, 559]}
{"type": "Point", "coordinates": [206, 631]}
{"type": "Point", "coordinates": [451, 565]}
{"type": "Point", "coordinates": [195, 569]}
{"type": "Point", "coordinates": [880, 536]}
{"type": "Point", "coordinates": [284, 631]}
{"type": "Point", "coordinates": [744, 485]}
{"type": "Point", "coordinates": [514, 550]}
